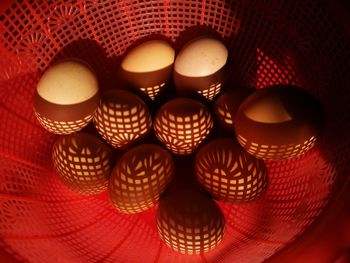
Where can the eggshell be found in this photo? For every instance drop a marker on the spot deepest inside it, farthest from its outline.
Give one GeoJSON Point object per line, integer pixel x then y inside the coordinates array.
{"type": "Point", "coordinates": [148, 66]}
{"type": "Point", "coordinates": [122, 118]}
{"type": "Point", "coordinates": [139, 178]}
{"type": "Point", "coordinates": [200, 67]}
{"type": "Point", "coordinates": [229, 173]}
{"type": "Point", "coordinates": [227, 104]}
{"type": "Point", "coordinates": [83, 162]}
{"type": "Point", "coordinates": [189, 221]}
{"type": "Point", "coordinates": [182, 124]}
{"type": "Point", "coordinates": [66, 97]}
{"type": "Point", "coordinates": [279, 122]}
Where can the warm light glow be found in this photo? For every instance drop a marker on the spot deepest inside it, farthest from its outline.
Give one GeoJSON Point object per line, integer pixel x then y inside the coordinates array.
{"type": "Point", "coordinates": [229, 173]}
{"type": "Point", "coordinates": [211, 92]}
{"type": "Point", "coordinates": [201, 57]}
{"type": "Point", "coordinates": [182, 124]}
{"type": "Point", "coordinates": [190, 222]}
{"type": "Point", "coordinates": [270, 110]}
{"type": "Point", "coordinates": [83, 162]}
{"type": "Point", "coordinates": [279, 122]}
{"type": "Point", "coordinates": [139, 178]}
{"type": "Point", "coordinates": [122, 118]}
{"type": "Point", "coordinates": [68, 82]}
{"type": "Point", "coordinates": [149, 56]}
{"type": "Point", "coordinates": [63, 127]}
{"type": "Point", "coordinates": [276, 152]}
{"type": "Point", "coordinates": [152, 92]}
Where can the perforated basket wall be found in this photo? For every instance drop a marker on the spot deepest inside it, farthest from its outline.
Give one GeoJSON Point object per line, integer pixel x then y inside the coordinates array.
{"type": "Point", "coordinates": [270, 42]}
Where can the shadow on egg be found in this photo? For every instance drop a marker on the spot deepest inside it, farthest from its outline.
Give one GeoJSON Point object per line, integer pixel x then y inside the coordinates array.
{"type": "Point", "coordinates": [105, 66]}
{"type": "Point", "coordinates": [279, 122]}
{"type": "Point", "coordinates": [227, 104]}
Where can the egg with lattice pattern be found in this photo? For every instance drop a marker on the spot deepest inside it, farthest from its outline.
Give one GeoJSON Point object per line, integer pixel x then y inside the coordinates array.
{"type": "Point", "coordinates": [229, 173]}
{"type": "Point", "coordinates": [139, 178]}
{"type": "Point", "coordinates": [83, 162]}
{"type": "Point", "coordinates": [122, 118]}
{"type": "Point", "coordinates": [227, 104]}
{"type": "Point", "coordinates": [189, 221]}
{"type": "Point", "coordinates": [182, 124]}
{"type": "Point", "coordinates": [279, 122]}
{"type": "Point", "coordinates": [66, 97]}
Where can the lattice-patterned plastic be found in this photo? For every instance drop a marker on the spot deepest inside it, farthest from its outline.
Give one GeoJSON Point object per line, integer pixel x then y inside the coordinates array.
{"type": "Point", "coordinates": [297, 42]}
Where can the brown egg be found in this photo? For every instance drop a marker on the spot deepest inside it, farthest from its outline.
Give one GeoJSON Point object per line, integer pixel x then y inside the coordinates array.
{"type": "Point", "coordinates": [229, 173]}
{"type": "Point", "coordinates": [122, 118]}
{"type": "Point", "coordinates": [66, 97]}
{"type": "Point", "coordinates": [148, 66]}
{"type": "Point", "coordinates": [227, 104]}
{"type": "Point", "coordinates": [139, 178]}
{"type": "Point", "coordinates": [182, 124]}
{"type": "Point", "coordinates": [279, 122]}
{"type": "Point", "coordinates": [83, 162]}
{"type": "Point", "coordinates": [189, 222]}
{"type": "Point", "coordinates": [200, 67]}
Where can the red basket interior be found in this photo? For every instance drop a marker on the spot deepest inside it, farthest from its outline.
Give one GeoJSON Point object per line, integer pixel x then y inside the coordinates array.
{"type": "Point", "coordinates": [270, 42]}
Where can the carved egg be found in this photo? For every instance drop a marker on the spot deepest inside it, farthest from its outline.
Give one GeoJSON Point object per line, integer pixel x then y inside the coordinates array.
{"type": "Point", "coordinates": [139, 178]}
{"type": "Point", "coordinates": [83, 162]}
{"type": "Point", "coordinates": [200, 67]}
{"type": "Point", "coordinates": [122, 118]}
{"type": "Point", "coordinates": [190, 222]}
{"type": "Point", "coordinates": [227, 104]}
{"type": "Point", "coordinates": [182, 124]}
{"type": "Point", "coordinates": [66, 97]}
{"type": "Point", "coordinates": [229, 173]}
{"type": "Point", "coordinates": [279, 122]}
{"type": "Point", "coordinates": [149, 66]}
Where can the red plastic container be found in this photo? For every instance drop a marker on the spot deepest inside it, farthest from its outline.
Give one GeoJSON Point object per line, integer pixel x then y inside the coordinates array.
{"type": "Point", "coordinates": [305, 215]}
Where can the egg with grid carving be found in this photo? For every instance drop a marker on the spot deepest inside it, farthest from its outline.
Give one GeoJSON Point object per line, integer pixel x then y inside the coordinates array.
{"type": "Point", "coordinates": [83, 162]}
{"type": "Point", "coordinates": [66, 97]}
{"type": "Point", "coordinates": [182, 124]}
{"type": "Point", "coordinates": [122, 118]}
{"type": "Point", "coordinates": [148, 66]}
{"type": "Point", "coordinates": [229, 173]}
{"type": "Point", "coordinates": [189, 221]}
{"type": "Point", "coordinates": [139, 178]}
{"type": "Point", "coordinates": [227, 104]}
{"type": "Point", "coordinates": [279, 122]}
{"type": "Point", "coordinates": [200, 67]}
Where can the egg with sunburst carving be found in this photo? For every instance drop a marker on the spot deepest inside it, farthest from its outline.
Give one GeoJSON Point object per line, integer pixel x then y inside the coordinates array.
{"type": "Point", "coordinates": [139, 178]}
{"type": "Point", "coordinates": [83, 162]}
{"type": "Point", "coordinates": [229, 173]}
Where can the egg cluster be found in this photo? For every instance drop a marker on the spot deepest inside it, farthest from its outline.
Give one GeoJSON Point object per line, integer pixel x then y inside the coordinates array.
{"type": "Point", "coordinates": [274, 123]}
